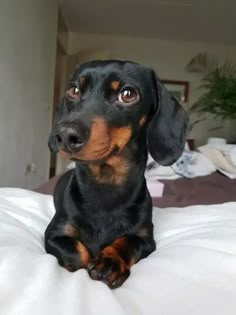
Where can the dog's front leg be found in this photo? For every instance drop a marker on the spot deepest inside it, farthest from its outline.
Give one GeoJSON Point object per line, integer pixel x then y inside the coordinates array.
{"type": "Point", "coordinates": [70, 253]}
{"type": "Point", "coordinates": [113, 264]}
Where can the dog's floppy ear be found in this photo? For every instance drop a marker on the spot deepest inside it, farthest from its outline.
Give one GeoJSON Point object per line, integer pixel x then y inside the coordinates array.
{"type": "Point", "coordinates": [60, 111]}
{"type": "Point", "coordinates": [167, 129]}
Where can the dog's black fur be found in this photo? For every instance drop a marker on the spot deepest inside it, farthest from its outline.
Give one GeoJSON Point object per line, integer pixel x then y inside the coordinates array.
{"type": "Point", "coordinates": [112, 114]}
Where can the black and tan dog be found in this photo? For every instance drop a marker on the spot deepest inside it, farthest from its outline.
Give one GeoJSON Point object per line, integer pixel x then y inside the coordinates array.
{"type": "Point", "coordinates": [112, 114]}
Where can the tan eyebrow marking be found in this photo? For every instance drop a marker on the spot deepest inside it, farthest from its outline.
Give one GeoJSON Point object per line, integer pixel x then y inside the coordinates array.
{"type": "Point", "coordinates": [115, 85]}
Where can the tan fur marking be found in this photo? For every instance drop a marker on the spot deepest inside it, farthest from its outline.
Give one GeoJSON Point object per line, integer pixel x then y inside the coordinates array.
{"type": "Point", "coordinates": [97, 146]}
{"type": "Point", "coordinates": [121, 243]}
{"type": "Point", "coordinates": [103, 140]}
{"type": "Point", "coordinates": [84, 254]}
{"type": "Point", "coordinates": [109, 251]}
{"type": "Point", "coordinates": [70, 230]}
{"type": "Point", "coordinates": [112, 172]}
{"type": "Point", "coordinates": [120, 166]}
{"type": "Point", "coordinates": [115, 85]}
{"type": "Point", "coordinates": [120, 136]}
{"type": "Point", "coordinates": [142, 121]}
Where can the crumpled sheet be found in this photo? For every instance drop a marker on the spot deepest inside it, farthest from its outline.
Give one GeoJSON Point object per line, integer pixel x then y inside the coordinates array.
{"type": "Point", "coordinates": [223, 157]}
{"type": "Point", "coordinates": [193, 270]}
{"type": "Point", "coordinates": [190, 164]}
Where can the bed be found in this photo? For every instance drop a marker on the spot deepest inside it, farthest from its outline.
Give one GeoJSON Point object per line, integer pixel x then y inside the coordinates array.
{"type": "Point", "coordinates": [193, 270]}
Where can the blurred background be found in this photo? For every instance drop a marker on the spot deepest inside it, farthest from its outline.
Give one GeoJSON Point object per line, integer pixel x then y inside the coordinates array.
{"type": "Point", "coordinates": [187, 42]}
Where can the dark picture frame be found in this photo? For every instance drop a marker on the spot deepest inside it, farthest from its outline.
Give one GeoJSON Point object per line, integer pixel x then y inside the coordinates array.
{"type": "Point", "coordinates": [179, 89]}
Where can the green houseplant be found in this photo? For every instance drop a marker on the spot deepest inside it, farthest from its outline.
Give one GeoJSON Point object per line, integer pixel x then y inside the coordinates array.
{"type": "Point", "coordinates": [218, 84]}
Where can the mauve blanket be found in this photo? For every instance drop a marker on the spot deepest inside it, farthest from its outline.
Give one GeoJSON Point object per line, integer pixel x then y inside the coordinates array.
{"type": "Point", "coordinates": [205, 190]}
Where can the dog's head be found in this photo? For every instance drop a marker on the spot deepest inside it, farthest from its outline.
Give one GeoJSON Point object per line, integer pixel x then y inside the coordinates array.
{"type": "Point", "coordinates": [109, 103]}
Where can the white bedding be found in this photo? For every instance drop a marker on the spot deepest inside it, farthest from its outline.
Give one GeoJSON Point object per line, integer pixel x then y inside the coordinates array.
{"type": "Point", "coordinates": [192, 272]}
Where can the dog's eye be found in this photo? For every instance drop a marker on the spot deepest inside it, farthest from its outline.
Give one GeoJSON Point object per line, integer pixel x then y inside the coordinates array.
{"type": "Point", "coordinates": [128, 96]}
{"type": "Point", "coordinates": [73, 92]}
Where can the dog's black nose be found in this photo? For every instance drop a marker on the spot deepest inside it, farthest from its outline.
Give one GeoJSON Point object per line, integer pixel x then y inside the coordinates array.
{"type": "Point", "coordinates": [69, 138]}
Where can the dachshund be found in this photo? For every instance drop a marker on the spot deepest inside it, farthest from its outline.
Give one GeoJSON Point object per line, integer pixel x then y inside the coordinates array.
{"type": "Point", "coordinates": [112, 114]}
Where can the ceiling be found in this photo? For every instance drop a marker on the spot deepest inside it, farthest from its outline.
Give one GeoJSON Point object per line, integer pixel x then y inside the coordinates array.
{"type": "Point", "coordinates": [191, 20]}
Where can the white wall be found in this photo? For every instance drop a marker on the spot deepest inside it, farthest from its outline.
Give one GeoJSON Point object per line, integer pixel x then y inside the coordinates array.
{"type": "Point", "coordinates": [168, 58]}
{"type": "Point", "coordinates": [28, 31]}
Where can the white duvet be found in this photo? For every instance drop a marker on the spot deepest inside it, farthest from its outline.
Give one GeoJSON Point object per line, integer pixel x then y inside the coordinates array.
{"type": "Point", "coordinates": [192, 272]}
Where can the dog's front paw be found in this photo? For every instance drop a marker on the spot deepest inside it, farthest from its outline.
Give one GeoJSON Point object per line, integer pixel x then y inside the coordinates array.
{"type": "Point", "coordinates": [109, 267]}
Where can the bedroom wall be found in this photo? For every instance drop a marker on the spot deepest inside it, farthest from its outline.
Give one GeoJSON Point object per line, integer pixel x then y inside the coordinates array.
{"type": "Point", "coordinates": [169, 59]}
{"type": "Point", "coordinates": [28, 46]}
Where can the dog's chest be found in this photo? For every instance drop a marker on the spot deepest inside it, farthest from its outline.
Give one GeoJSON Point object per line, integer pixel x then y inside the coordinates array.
{"type": "Point", "coordinates": [101, 230]}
